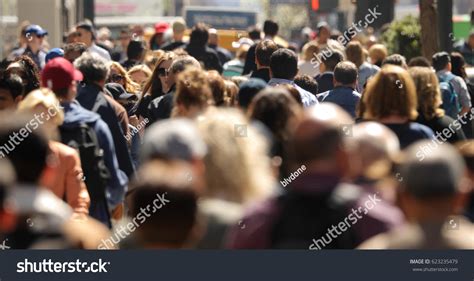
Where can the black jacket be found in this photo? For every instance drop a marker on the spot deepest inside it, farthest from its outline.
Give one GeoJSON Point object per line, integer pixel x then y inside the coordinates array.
{"type": "Point", "coordinates": [325, 81]}
{"type": "Point", "coordinates": [263, 73]}
{"type": "Point", "coordinates": [205, 55]}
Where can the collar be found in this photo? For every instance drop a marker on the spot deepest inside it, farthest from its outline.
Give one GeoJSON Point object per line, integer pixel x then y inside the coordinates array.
{"type": "Point", "coordinates": [274, 81]}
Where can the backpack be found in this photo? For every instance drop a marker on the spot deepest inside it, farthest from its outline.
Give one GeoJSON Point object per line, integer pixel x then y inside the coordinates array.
{"type": "Point", "coordinates": [451, 104]}
{"type": "Point", "coordinates": [96, 175]}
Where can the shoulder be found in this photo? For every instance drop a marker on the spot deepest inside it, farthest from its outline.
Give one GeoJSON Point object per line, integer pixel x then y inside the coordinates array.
{"type": "Point", "coordinates": [422, 129]}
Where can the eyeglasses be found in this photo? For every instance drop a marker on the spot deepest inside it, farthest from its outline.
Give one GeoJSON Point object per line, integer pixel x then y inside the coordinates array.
{"type": "Point", "coordinates": [162, 72]}
{"type": "Point", "coordinates": [116, 77]}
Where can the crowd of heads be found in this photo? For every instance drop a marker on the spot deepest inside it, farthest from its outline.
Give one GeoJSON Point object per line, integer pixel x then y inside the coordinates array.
{"type": "Point", "coordinates": [176, 142]}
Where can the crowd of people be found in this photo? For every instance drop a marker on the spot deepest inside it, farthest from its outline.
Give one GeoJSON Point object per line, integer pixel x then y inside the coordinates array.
{"type": "Point", "coordinates": [178, 143]}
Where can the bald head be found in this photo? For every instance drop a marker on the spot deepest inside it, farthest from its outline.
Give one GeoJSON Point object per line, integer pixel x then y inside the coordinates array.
{"type": "Point", "coordinates": [439, 175]}
{"type": "Point", "coordinates": [319, 136]}
{"type": "Point", "coordinates": [374, 142]}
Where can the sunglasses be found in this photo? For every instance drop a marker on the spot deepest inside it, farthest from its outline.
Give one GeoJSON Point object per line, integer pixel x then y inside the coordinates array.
{"type": "Point", "coordinates": [116, 77]}
{"type": "Point", "coordinates": [162, 72]}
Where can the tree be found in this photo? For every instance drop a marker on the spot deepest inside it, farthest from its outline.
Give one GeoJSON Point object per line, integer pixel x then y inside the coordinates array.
{"type": "Point", "coordinates": [429, 28]}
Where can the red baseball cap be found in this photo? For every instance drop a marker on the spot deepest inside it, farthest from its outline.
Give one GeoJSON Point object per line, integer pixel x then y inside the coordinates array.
{"type": "Point", "coordinates": [161, 27]}
{"type": "Point", "coordinates": [59, 73]}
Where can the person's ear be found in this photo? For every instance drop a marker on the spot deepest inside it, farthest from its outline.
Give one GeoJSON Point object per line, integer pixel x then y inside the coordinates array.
{"type": "Point", "coordinates": [18, 99]}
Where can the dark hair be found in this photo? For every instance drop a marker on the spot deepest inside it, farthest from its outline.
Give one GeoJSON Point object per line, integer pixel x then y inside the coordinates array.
{"type": "Point", "coordinates": [181, 63]}
{"type": "Point", "coordinates": [254, 33]}
{"type": "Point", "coordinates": [264, 51]}
{"type": "Point", "coordinates": [13, 84]}
{"type": "Point", "coordinates": [345, 73]}
{"type": "Point", "coordinates": [307, 83]}
{"type": "Point", "coordinates": [248, 90]}
{"type": "Point", "coordinates": [217, 85]}
{"type": "Point", "coordinates": [75, 47]}
{"type": "Point", "coordinates": [395, 59]}
{"type": "Point", "coordinates": [29, 156]}
{"type": "Point", "coordinates": [458, 65]}
{"type": "Point", "coordinates": [419, 61]}
{"type": "Point", "coordinates": [270, 28]}
{"type": "Point", "coordinates": [284, 64]}
{"type": "Point", "coordinates": [199, 35]}
{"type": "Point", "coordinates": [441, 60]}
{"type": "Point", "coordinates": [332, 60]}
{"type": "Point", "coordinates": [135, 49]}
{"type": "Point", "coordinates": [31, 75]}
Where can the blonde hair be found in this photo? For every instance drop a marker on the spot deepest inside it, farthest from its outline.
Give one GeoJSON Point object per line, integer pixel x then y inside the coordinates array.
{"type": "Point", "coordinates": [237, 167]}
{"type": "Point", "coordinates": [428, 92]}
{"type": "Point", "coordinates": [130, 86]}
{"type": "Point", "coordinates": [310, 50]}
{"type": "Point", "coordinates": [378, 53]}
{"type": "Point", "coordinates": [390, 92]}
{"type": "Point", "coordinates": [355, 53]}
{"type": "Point", "coordinates": [46, 98]}
{"type": "Point", "coordinates": [137, 68]}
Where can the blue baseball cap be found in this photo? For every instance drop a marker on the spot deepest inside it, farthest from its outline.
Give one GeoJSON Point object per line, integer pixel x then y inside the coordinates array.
{"type": "Point", "coordinates": [36, 29]}
{"type": "Point", "coordinates": [54, 53]}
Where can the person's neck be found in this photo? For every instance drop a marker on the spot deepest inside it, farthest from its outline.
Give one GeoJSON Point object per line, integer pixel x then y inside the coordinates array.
{"type": "Point", "coordinates": [34, 49]}
{"type": "Point", "coordinates": [178, 38]}
{"type": "Point", "coordinates": [394, 119]}
{"type": "Point", "coordinates": [340, 85]}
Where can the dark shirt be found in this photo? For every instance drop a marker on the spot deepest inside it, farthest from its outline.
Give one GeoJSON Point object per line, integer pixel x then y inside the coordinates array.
{"type": "Point", "coordinates": [205, 55]}
{"type": "Point", "coordinates": [250, 65]}
{"type": "Point", "coordinates": [345, 97]}
{"type": "Point", "coordinates": [411, 132]}
{"type": "Point", "coordinates": [262, 73]}
{"type": "Point", "coordinates": [325, 81]}
{"type": "Point", "coordinates": [224, 55]}
{"type": "Point", "coordinates": [440, 124]}
{"type": "Point", "coordinates": [161, 107]}
{"type": "Point", "coordinates": [173, 46]}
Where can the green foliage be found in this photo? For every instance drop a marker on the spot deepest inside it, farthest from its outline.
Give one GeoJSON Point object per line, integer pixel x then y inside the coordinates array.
{"type": "Point", "coordinates": [404, 37]}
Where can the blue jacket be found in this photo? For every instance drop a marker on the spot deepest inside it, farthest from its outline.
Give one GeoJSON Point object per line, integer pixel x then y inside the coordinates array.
{"type": "Point", "coordinates": [74, 115]}
{"type": "Point", "coordinates": [345, 97]}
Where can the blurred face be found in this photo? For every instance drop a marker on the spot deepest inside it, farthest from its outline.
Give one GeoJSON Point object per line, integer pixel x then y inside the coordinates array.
{"type": "Point", "coordinates": [139, 77]}
{"type": "Point", "coordinates": [324, 35]}
{"type": "Point", "coordinates": [163, 74]}
{"type": "Point", "coordinates": [124, 40]}
{"type": "Point", "coordinates": [116, 77]}
{"type": "Point", "coordinates": [84, 36]}
{"type": "Point", "coordinates": [213, 39]}
{"type": "Point", "coordinates": [16, 69]}
{"type": "Point", "coordinates": [471, 41]}
{"type": "Point", "coordinates": [34, 40]}
{"type": "Point", "coordinates": [72, 56]}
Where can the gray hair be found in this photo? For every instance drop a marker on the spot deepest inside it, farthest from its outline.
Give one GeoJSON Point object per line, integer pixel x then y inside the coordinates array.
{"type": "Point", "coordinates": [93, 67]}
{"type": "Point", "coordinates": [181, 63]}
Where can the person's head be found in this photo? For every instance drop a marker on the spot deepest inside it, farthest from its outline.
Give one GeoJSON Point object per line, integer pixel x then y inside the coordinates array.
{"type": "Point", "coordinates": [248, 90]}
{"type": "Point", "coordinates": [283, 64]}
{"type": "Point", "coordinates": [434, 188]}
{"type": "Point", "coordinates": [85, 32]}
{"type": "Point", "coordinates": [44, 103]}
{"type": "Point", "coordinates": [213, 37]}
{"type": "Point", "coordinates": [396, 59]}
{"type": "Point", "coordinates": [277, 110]}
{"type": "Point", "coordinates": [35, 35]}
{"type": "Point", "coordinates": [74, 50]}
{"type": "Point", "coordinates": [169, 188]}
{"type": "Point", "coordinates": [255, 33]}
{"type": "Point", "coordinates": [28, 71]}
{"type": "Point", "coordinates": [328, 63]}
{"type": "Point", "coordinates": [11, 91]}
{"type": "Point", "coordinates": [124, 38]}
{"type": "Point", "coordinates": [193, 93]}
{"type": "Point", "coordinates": [310, 50]}
{"type": "Point", "coordinates": [61, 77]}
{"type": "Point", "coordinates": [228, 135]}
{"type": "Point", "coordinates": [242, 51]}
{"type": "Point", "coordinates": [318, 140]}
{"type": "Point", "coordinates": [28, 154]}
{"type": "Point", "coordinates": [136, 50]}
{"type": "Point", "coordinates": [199, 35]}
{"type": "Point", "coordinates": [323, 32]}
{"type": "Point", "coordinates": [179, 27]}
{"type": "Point", "coordinates": [419, 61]}
{"type": "Point", "coordinates": [458, 65]}
{"type": "Point", "coordinates": [231, 93]}
{"type": "Point", "coordinates": [54, 53]}
{"type": "Point", "coordinates": [119, 75]}
{"type": "Point", "coordinates": [179, 65]}
{"type": "Point", "coordinates": [372, 147]}
{"type": "Point", "coordinates": [294, 93]}
{"type": "Point", "coordinates": [264, 51]}
{"type": "Point", "coordinates": [93, 67]}
{"type": "Point", "coordinates": [470, 40]}
{"type": "Point", "coordinates": [441, 61]}
{"type": "Point", "coordinates": [391, 92]}
{"type": "Point", "coordinates": [270, 28]}
{"type": "Point", "coordinates": [345, 74]}
{"type": "Point", "coordinates": [377, 53]}
{"type": "Point", "coordinates": [355, 53]}
{"type": "Point", "coordinates": [157, 84]}
{"type": "Point", "coordinates": [428, 92]}
{"type": "Point", "coordinates": [140, 74]}
{"type": "Point", "coordinates": [307, 83]}
{"type": "Point", "coordinates": [217, 85]}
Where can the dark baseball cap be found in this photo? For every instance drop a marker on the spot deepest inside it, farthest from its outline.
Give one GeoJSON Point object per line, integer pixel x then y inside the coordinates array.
{"type": "Point", "coordinates": [54, 53]}
{"type": "Point", "coordinates": [118, 92]}
{"type": "Point", "coordinates": [36, 29]}
{"type": "Point", "coordinates": [59, 73]}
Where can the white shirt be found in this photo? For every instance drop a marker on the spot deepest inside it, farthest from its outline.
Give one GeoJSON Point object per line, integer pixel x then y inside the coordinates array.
{"type": "Point", "coordinates": [100, 51]}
